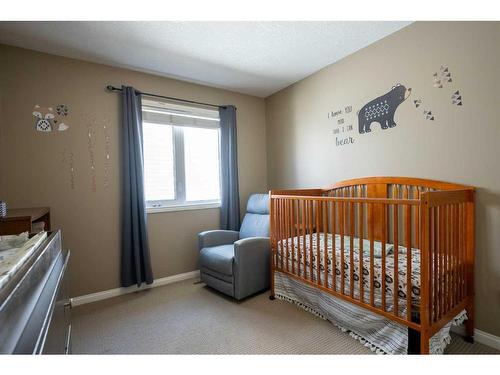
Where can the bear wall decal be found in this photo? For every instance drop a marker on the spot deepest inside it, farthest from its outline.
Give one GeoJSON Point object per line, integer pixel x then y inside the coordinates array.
{"type": "Point", "coordinates": [382, 109]}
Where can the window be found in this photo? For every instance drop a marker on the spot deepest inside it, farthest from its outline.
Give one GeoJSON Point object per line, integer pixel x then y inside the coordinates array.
{"type": "Point", "coordinates": [181, 156]}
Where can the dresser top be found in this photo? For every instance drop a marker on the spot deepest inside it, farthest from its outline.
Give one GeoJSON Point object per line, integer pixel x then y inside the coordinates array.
{"type": "Point", "coordinates": [34, 213]}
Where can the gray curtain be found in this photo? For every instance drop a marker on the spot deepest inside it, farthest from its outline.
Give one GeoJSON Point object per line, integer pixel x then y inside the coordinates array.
{"type": "Point", "coordinates": [135, 258]}
{"type": "Point", "coordinates": [230, 196]}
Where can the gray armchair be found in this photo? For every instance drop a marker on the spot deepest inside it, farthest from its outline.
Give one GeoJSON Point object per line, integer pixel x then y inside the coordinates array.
{"type": "Point", "coordinates": [237, 263]}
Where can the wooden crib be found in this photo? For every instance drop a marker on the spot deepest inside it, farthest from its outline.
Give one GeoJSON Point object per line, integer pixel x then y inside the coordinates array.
{"type": "Point", "coordinates": [432, 219]}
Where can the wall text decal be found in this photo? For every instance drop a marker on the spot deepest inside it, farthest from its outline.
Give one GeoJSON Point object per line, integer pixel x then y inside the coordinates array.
{"type": "Point", "coordinates": [342, 129]}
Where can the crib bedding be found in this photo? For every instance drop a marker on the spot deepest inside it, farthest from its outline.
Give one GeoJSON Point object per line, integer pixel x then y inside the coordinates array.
{"type": "Point", "coordinates": [308, 241]}
{"type": "Point", "coordinates": [380, 334]}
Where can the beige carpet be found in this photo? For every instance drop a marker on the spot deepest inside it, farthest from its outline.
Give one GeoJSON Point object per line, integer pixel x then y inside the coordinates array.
{"type": "Point", "coordinates": [184, 318]}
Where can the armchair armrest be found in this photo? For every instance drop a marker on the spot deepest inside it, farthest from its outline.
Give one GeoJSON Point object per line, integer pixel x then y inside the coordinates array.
{"type": "Point", "coordinates": [251, 246]}
{"type": "Point", "coordinates": [211, 238]}
{"type": "Point", "coordinates": [251, 259]}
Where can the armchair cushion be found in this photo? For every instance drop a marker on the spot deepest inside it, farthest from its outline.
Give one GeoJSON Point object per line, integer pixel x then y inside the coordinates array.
{"type": "Point", "coordinates": [256, 220]}
{"type": "Point", "coordinates": [211, 238]}
{"type": "Point", "coordinates": [218, 258]}
{"type": "Point", "coordinates": [258, 204]}
{"type": "Point", "coordinates": [254, 225]}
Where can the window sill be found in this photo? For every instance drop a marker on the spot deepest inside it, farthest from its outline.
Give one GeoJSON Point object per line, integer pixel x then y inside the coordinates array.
{"type": "Point", "coordinates": [187, 207]}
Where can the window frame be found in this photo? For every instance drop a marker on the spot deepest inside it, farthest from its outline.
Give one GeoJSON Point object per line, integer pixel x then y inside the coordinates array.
{"type": "Point", "coordinates": [179, 202]}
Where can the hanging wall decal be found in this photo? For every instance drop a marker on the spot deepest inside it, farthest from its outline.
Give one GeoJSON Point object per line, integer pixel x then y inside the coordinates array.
{"type": "Point", "coordinates": [72, 170]}
{"type": "Point", "coordinates": [68, 159]}
{"type": "Point", "coordinates": [382, 109]}
{"type": "Point", "coordinates": [90, 148]}
{"type": "Point", "coordinates": [97, 135]}
{"type": "Point", "coordinates": [107, 150]}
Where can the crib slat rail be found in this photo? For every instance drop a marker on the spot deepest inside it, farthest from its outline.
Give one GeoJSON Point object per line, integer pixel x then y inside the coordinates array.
{"type": "Point", "coordinates": [361, 249]}
{"type": "Point", "coordinates": [398, 247]}
{"type": "Point", "coordinates": [407, 236]}
{"type": "Point", "coordinates": [395, 214]}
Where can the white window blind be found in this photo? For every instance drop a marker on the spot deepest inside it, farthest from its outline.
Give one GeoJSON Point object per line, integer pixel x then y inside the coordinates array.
{"type": "Point", "coordinates": [159, 172]}
{"type": "Point", "coordinates": [179, 115]}
{"type": "Point", "coordinates": [201, 159]}
{"type": "Point", "coordinates": [181, 155]}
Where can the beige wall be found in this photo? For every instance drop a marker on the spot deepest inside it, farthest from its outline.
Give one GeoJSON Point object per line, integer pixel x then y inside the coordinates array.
{"type": "Point", "coordinates": [32, 171]}
{"type": "Point", "coordinates": [462, 145]}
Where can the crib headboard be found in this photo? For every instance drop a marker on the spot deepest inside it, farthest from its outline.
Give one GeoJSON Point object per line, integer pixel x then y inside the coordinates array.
{"type": "Point", "coordinates": [388, 187]}
{"type": "Point", "coordinates": [383, 187]}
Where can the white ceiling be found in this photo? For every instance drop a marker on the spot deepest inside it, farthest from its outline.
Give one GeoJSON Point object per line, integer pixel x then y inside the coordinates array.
{"type": "Point", "coordinates": [257, 58]}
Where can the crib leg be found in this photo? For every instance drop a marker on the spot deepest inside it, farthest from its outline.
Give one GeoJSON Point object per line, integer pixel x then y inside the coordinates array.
{"type": "Point", "coordinates": [413, 341]}
{"type": "Point", "coordinates": [272, 297]}
{"type": "Point", "coordinates": [469, 325]}
{"type": "Point", "coordinates": [469, 332]}
{"type": "Point", "coordinates": [424, 343]}
{"type": "Point", "coordinates": [418, 342]}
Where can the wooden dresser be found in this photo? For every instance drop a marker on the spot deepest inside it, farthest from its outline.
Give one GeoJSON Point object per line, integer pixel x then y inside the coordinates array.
{"type": "Point", "coordinates": [19, 220]}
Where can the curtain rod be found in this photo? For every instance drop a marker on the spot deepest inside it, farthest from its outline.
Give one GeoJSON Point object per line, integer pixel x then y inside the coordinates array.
{"type": "Point", "coordinates": [112, 88]}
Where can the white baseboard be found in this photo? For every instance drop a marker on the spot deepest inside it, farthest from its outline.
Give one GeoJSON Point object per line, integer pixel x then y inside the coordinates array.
{"type": "Point", "coordinates": [105, 294]}
{"type": "Point", "coordinates": [480, 336]}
